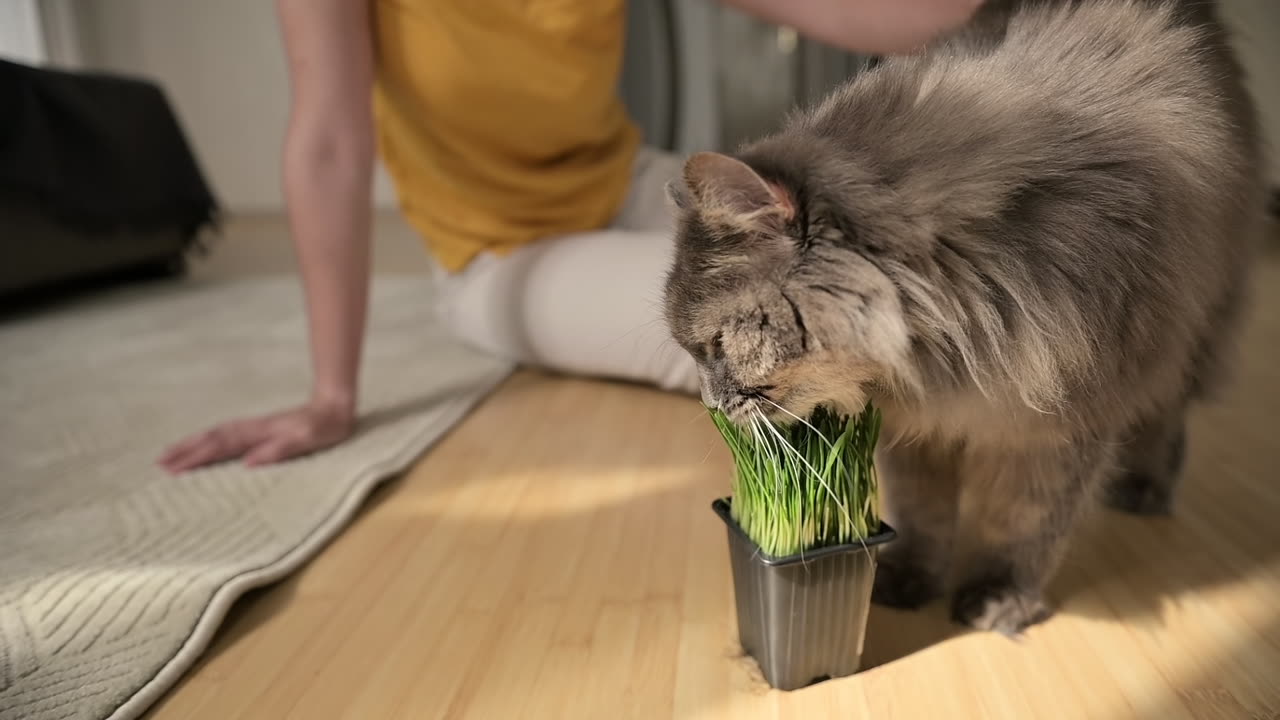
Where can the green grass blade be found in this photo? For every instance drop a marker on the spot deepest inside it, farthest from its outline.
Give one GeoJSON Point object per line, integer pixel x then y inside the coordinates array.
{"type": "Point", "coordinates": [807, 483]}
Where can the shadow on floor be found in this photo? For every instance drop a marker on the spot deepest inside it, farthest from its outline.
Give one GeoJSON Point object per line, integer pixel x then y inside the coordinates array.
{"type": "Point", "coordinates": [652, 550]}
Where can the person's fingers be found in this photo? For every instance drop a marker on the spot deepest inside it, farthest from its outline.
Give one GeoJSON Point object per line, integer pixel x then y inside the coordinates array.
{"type": "Point", "coordinates": [178, 449]}
{"type": "Point", "coordinates": [273, 451]}
{"type": "Point", "coordinates": [180, 462]}
{"type": "Point", "coordinates": [219, 444]}
{"type": "Point", "coordinates": [206, 452]}
{"type": "Point", "coordinates": [179, 458]}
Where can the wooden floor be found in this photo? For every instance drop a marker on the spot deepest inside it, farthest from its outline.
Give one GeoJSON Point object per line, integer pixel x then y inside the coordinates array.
{"type": "Point", "coordinates": [556, 557]}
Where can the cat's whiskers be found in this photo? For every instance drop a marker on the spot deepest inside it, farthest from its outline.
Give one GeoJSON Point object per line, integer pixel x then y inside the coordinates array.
{"type": "Point", "coordinates": [796, 417]}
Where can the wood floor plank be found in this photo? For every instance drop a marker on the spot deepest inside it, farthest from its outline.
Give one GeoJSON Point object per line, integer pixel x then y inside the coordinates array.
{"type": "Point", "coordinates": [556, 557]}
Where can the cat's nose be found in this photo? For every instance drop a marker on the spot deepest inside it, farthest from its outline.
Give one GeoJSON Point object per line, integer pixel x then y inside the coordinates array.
{"type": "Point", "coordinates": [708, 388]}
{"type": "Point", "coordinates": [709, 397]}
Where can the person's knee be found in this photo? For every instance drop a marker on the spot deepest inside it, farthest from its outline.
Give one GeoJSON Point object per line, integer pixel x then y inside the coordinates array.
{"type": "Point", "coordinates": [465, 308]}
{"type": "Point", "coordinates": [548, 306]}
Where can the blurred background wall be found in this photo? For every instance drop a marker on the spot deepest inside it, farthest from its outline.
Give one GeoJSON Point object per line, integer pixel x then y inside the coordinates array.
{"type": "Point", "coordinates": [696, 74]}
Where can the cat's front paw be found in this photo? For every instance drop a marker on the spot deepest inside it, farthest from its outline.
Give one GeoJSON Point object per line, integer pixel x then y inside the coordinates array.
{"type": "Point", "coordinates": [904, 585]}
{"type": "Point", "coordinates": [998, 607]}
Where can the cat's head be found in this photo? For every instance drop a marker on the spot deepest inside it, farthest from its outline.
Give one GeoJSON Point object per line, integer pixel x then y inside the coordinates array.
{"type": "Point", "coordinates": [768, 292]}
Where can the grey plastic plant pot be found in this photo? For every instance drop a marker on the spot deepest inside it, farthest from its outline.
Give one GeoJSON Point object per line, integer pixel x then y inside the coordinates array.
{"type": "Point", "coordinates": [804, 617]}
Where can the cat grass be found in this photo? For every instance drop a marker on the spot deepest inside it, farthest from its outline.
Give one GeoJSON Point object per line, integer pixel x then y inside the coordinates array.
{"type": "Point", "coordinates": [805, 484]}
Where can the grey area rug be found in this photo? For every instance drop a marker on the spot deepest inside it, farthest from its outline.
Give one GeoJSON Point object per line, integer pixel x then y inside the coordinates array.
{"type": "Point", "coordinates": [113, 574]}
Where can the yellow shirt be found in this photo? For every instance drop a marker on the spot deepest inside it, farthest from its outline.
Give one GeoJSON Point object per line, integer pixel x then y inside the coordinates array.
{"type": "Point", "coordinates": [499, 120]}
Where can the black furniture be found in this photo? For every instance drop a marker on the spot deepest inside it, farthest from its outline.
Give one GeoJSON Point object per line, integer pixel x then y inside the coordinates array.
{"type": "Point", "coordinates": [96, 180]}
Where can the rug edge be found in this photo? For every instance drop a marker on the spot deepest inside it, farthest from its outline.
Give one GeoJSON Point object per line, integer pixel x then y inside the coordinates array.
{"type": "Point", "coordinates": [211, 619]}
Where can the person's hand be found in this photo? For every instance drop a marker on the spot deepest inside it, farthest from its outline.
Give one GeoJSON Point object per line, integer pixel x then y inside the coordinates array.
{"type": "Point", "coordinates": [264, 440]}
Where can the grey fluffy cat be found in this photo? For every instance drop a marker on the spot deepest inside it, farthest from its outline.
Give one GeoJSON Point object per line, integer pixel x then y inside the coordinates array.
{"type": "Point", "coordinates": [1027, 244]}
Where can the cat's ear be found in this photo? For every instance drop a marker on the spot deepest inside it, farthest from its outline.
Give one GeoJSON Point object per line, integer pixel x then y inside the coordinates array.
{"type": "Point", "coordinates": [723, 184]}
{"type": "Point", "coordinates": [678, 194]}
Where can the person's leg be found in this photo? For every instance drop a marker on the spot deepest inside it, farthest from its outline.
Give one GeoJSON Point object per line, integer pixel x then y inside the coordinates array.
{"type": "Point", "coordinates": [586, 304]}
{"type": "Point", "coordinates": [646, 205]}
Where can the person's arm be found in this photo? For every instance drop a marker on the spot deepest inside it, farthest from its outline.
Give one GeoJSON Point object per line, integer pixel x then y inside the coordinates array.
{"type": "Point", "coordinates": [874, 27]}
{"type": "Point", "coordinates": [328, 170]}
{"type": "Point", "coordinates": [328, 175]}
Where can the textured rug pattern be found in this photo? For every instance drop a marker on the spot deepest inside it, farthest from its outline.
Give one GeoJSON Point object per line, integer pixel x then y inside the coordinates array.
{"type": "Point", "coordinates": [113, 574]}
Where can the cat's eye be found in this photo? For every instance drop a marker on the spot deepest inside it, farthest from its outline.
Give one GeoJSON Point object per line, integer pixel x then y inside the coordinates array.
{"type": "Point", "coordinates": [714, 350]}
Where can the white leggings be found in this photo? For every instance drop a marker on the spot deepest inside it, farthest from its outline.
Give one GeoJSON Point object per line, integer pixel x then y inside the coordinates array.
{"type": "Point", "coordinates": [585, 304]}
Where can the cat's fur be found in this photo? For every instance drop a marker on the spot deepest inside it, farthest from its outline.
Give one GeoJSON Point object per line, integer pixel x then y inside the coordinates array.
{"type": "Point", "coordinates": [1027, 245]}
